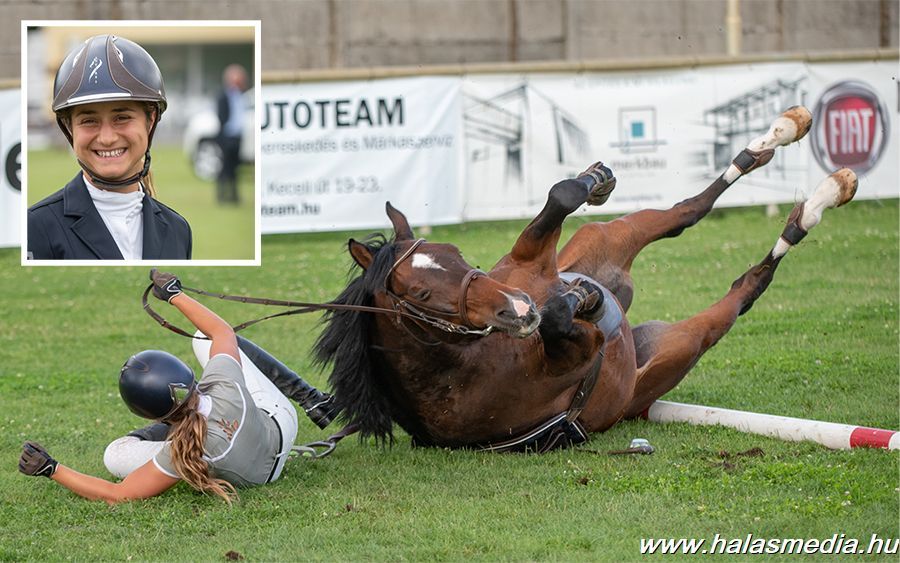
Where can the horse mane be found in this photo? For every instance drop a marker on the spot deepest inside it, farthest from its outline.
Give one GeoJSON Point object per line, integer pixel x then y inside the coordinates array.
{"type": "Point", "coordinates": [345, 343]}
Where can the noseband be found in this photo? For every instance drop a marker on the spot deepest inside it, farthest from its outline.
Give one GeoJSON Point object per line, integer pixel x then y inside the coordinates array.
{"type": "Point", "coordinates": [427, 314]}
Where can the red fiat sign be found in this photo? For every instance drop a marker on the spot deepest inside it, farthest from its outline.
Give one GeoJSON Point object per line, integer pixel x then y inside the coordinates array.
{"type": "Point", "coordinates": [850, 127]}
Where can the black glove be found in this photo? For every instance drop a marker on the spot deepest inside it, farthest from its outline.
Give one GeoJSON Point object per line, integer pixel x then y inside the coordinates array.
{"type": "Point", "coordinates": [36, 461]}
{"type": "Point", "coordinates": [165, 285]}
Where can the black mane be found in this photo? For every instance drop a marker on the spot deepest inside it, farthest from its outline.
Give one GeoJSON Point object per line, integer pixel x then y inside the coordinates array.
{"type": "Point", "coordinates": [345, 342]}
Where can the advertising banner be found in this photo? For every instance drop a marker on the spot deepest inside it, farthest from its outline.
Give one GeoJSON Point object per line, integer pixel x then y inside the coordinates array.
{"type": "Point", "coordinates": [666, 135]}
{"type": "Point", "coordinates": [10, 173]}
{"type": "Point", "coordinates": [855, 123]}
{"type": "Point", "coordinates": [333, 153]}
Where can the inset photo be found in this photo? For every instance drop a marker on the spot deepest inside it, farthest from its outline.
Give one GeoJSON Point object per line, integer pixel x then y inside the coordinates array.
{"type": "Point", "coordinates": [140, 143]}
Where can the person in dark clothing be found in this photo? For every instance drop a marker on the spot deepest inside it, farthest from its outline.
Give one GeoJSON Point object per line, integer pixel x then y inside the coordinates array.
{"type": "Point", "coordinates": [231, 108]}
{"type": "Point", "coordinates": [108, 99]}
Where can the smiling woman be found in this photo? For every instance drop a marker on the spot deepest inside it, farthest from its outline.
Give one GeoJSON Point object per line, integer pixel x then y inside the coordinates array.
{"type": "Point", "coordinates": [108, 98]}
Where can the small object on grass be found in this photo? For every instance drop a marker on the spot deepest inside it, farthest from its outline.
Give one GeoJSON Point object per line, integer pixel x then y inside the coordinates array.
{"type": "Point", "coordinates": [637, 446]}
{"type": "Point", "coordinates": [233, 556]}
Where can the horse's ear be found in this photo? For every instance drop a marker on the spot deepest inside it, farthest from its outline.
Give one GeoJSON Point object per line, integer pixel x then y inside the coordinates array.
{"type": "Point", "coordinates": [360, 253]}
{"type": "Point", "coordinates": [402, 231]}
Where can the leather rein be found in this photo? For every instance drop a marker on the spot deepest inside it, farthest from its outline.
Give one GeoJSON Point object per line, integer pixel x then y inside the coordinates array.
{"type": "Point", "coordinates": [403, 308]}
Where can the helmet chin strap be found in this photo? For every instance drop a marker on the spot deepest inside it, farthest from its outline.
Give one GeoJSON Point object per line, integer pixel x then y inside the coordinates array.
{"type": "Point", "coordinates": [105, 183]}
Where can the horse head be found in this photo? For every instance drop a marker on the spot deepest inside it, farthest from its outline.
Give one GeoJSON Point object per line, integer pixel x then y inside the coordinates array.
{"type": "Point", "coordinates": [434, 283]}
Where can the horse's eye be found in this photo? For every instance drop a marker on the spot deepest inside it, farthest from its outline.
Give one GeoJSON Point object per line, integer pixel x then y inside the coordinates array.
{"type": "Point", "coordinates": [419, 293]}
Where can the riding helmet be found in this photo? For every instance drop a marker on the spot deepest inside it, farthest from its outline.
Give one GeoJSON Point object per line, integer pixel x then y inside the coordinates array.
{"type": "Point", "coordinates": [108, 68]}
{"type": "Point", "coordinates": [154, 384]}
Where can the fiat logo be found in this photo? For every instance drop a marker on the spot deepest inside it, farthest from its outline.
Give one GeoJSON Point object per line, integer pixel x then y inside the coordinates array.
{"type": "Point", "coordinates": [850, 127]}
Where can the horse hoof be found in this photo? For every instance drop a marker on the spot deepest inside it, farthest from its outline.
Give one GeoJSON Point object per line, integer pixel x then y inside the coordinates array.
{"type": "Point", "coordinates": [600, 181]}
{"type": "Point", "coordinates": [846, 182]}
{"type": "Point", "coordinates": [787, 128]}
{"type": "Point", "coordinates": [802, 120]}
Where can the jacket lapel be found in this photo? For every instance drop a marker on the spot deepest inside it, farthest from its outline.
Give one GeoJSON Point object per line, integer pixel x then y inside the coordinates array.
{"type": "Point", "coordinates": [155, 229]}
{"type": "Point", "coordinates": [87, 224]}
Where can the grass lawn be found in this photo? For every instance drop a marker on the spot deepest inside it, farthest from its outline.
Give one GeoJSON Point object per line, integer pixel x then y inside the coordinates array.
{"type": "Point", "coordinates": [221, 232]}
{"type": "Point", "coordinates": [822, 343]}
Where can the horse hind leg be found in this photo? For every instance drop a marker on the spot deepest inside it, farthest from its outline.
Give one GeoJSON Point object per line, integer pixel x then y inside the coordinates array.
{"type": "Point", "coordinates": [605, 251]}
{"type": "Point", "coordinates": [666, 352]}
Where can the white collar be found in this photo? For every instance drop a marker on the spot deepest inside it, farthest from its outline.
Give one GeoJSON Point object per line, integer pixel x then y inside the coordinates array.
{"type": "Point", "coordinates": [116, 203]}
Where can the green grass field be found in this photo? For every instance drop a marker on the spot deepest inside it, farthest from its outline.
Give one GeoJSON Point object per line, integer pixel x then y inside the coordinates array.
{"type": "Point", "coordinates": [822, 343]}
{"type": "Point", "coordinates": [221, 232]}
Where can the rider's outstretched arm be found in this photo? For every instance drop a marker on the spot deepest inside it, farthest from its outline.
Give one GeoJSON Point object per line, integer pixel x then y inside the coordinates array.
{"type": "Point", "coordinates": [167, 287]}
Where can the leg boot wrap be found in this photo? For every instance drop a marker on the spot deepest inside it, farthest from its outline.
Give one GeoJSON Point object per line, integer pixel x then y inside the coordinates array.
{"type": "Point", "coordinates": [319, 406]}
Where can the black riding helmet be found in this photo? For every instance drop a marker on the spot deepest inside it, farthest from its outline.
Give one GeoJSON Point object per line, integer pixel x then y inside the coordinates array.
{"type": "Point", "coordinates": [108, 68]}
{"type": "Point", "coordinates": [155, 384]}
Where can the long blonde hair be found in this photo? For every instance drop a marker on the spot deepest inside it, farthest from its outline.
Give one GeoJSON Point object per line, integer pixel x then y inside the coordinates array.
{"type": "Point", "coordinates": [187, 437]}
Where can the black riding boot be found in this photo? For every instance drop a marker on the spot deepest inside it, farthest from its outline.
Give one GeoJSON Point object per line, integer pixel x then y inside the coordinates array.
{"type": "Point", "coordinates": [319, 406]}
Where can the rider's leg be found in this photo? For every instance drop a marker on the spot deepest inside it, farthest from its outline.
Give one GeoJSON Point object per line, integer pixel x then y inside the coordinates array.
{"type": "Point", "coordinates": [127, 453]}
{"type": "Point", "coordinates": [605, 251]}
{"type": "Point", "coordinates": [666, 352]}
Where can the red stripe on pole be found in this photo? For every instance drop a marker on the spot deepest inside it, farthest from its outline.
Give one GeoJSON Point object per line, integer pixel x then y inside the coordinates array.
{"type": "Point", "coordinates": [863, 437]}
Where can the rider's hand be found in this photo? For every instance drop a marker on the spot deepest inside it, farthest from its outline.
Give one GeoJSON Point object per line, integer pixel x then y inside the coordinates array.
{"type": "Point", "coordinates": [165, 286]}
{"type": "Point", "coordinates": [36, 461]}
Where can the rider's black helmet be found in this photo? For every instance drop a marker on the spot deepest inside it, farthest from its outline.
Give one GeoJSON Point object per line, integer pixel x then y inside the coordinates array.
{"type": "Point", "coordinates": [108, 68]}
{"type": "Point", "coordinates": [154, 384]}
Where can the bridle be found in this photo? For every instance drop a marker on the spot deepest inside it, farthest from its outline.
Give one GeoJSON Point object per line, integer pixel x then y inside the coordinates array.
{"type": "Point", "coordinates": [402, 308]}
{"type": "Point", "coordinates": [427, 314]}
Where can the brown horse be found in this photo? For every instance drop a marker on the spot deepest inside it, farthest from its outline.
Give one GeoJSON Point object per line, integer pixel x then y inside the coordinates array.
{"type": "Point", "coordinates": [536, 352]}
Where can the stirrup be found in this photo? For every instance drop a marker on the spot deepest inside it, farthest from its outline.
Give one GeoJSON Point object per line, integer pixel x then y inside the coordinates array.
{"type": "Point", "coordinates": [309, 450]}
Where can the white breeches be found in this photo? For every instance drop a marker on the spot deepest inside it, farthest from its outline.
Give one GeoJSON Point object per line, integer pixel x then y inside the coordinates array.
{"type": "Point", "coordinates": [127, 453]}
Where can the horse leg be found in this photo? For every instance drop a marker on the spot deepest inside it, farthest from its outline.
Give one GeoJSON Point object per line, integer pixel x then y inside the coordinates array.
{"type": "Point", "coordinates": [666, 352]}
{"type": "Point", "coordinates": [534, 252]}
{"type": "Point", "coordinates": [605, 251]}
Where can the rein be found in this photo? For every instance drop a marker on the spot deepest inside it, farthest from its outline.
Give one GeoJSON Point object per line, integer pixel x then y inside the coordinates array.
{"type": "Point", "coordinates": [402, 307]}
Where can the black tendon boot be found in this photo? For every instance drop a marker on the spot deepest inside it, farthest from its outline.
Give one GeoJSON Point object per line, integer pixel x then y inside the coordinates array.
{"type": "Point", "coordinates": [318, 406]}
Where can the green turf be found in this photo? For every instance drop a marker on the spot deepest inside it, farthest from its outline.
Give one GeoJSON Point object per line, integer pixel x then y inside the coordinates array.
{"type": "Point", "coordinates": [221, 232]}
{"type": "Point", "coordinates": [821, 343]}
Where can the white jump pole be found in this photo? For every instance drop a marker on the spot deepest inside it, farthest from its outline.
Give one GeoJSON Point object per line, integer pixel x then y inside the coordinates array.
{"type": "Point", "coordinates": [828, 434]}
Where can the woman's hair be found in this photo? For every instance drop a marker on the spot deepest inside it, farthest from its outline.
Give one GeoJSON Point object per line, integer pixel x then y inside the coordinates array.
{"type": "Point", "coordinates": [187, 437]}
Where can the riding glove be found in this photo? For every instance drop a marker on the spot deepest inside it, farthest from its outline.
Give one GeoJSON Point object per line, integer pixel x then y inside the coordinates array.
{"type": "Point", "coordinates": [165, 286]}
{"type": "Point", "coordinates": [36, 461]}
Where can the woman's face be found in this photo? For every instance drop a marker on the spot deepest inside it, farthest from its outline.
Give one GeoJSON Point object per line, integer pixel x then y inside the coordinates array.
{"type": "Point", "coordinates": [111, 137]}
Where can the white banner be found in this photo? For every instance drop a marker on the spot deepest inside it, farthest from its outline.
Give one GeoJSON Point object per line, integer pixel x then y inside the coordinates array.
{"type": "Point", "coordinates": [667, 134]}
{"type": "Point", "coordinates": [10, 167]}
{"type": "Point", "coordinates": [333, 153]}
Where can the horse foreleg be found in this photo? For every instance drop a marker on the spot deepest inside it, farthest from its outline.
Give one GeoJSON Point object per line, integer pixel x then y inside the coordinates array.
{"type": "Point", "coordinates": [666, 352]}
{"type": "Point", "coordinates": [606, 251]}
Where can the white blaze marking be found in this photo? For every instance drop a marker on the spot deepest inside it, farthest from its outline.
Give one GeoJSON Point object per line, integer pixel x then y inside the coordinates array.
{"type": "Point", "coordinates": [520, 307]}
{"type": "Point", "coordinates": [425, 261]}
